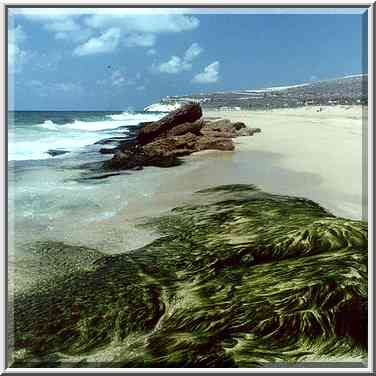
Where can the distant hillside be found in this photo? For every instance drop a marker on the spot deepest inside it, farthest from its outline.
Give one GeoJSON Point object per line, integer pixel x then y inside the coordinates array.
{"type": "Point", "coordinates": [345, 90]}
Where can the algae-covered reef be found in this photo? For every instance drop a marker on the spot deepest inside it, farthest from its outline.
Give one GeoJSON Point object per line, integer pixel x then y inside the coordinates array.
{"type": "Point", "coordinates": [239, 278]}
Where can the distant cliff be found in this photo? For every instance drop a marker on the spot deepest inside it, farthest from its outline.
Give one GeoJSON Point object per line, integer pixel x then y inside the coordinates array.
{"type": "Point", "coordinates": [345, 90]}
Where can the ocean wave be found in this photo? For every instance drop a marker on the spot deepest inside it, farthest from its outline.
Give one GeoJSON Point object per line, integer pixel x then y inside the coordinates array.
{"type": "Point", "coordinates": [135, 119]}
{"type": "Point", "coordinates": [34, 149]}
{"type": "Point", "coordinates": [122, 116]}
{"type": "Point", "coordinates": [91, 126]}
{"type": "Point", "coordinates": [117, 120]}
{"type": "Point", "coordinates": [33, 142]}
{"type": "Point", "coordinates": [159, 107]}
{"type": "Point", "coordinates": [49, 124]}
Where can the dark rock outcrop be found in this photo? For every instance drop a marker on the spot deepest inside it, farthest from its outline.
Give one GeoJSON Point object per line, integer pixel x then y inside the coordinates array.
{"type": "Point", "coordinates": [108, 151]}
{"type": "Point", "coordinates": [184, 128]}
{"type": "Point", "coordinates": [177, 145]}
{"type": "Point", "coordinates": [217, 143]}
{"type": "Point", "coordinates": [56, 152]}
{"type": "Point", "coordinates": [112, 140]}
{"type": "Point", "coordinates": [180, 133]}
{"type": "Point", "coordinates": [225, 129]}
{"type": "Point", "coordinates": [188, 113]}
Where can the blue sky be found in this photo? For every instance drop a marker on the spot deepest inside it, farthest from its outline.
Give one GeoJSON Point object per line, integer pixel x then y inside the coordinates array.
{"type": "Point", "coordinates": [116, 59]}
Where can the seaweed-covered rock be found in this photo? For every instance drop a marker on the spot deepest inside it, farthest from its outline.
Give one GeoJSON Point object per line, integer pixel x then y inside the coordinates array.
{"type": "Point", "coordinates": [238, 278]}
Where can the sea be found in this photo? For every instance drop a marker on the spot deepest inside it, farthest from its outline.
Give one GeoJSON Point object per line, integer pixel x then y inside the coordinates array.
{"type": "Point", "coordinates": [32, 133]}
{"type": "Point", "coordinates": [51, 198]}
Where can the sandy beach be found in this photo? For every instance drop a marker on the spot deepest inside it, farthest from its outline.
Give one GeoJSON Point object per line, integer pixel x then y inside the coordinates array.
{"type": "Point", "coordinates": [300, 152]}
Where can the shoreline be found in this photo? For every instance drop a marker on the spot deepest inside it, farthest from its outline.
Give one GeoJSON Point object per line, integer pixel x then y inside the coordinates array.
{"type": "Point", "coordinates": [279, 160]}
{"type": "Point", "coordinates": [289, 157]}
{"type": "Point", "coordinates": [247, 235]}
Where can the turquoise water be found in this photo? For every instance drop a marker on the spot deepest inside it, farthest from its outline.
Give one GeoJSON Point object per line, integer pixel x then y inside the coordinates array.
{"type": "Point", "coordinates": [48, 199]}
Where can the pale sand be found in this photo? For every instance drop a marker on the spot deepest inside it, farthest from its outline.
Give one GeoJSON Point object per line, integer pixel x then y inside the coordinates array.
{"type": "Point", "coordinates": [300, 152]}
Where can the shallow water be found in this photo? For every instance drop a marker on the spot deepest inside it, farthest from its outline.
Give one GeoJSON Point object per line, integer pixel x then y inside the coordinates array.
{"type": "Point", "coordinates": [47, 197]}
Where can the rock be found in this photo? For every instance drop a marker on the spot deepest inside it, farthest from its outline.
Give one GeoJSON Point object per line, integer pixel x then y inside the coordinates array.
{"type": "Point", "coordinates": [162, 152]}
{"type": "Point", "coordinates": [108, 151]}
{"type": "Point", "coordinates": [216, 143]}
{"type": "Point", "coordinates": [56, 152]}
{"type": "Point", "coordinates": [178, 146]}
{"type": "Point", "coordinates": [128, 145]}
{"type": "Point", "coordinates": [100, 176]}
{"type": "Point", "coordinates": [145, 123]}
{"type": "Point", "coordinates": [125, 160]}
{"type": "Point", "coordinates": [180, 133]}
{"type": "Point", "coordinates": [188, 113]}
{"type": "Point", "coordinates": [112, 140]}
{"type": "Point", "coordinates": [194, 128]}
{"type": "Point", "coordinates": [225, 129]}
{"type": "Point", "coordinates": [221, 128]}
{"type": "Point", "coordinates": [248, 131]}
{"type": "Point", "coordinates": [239, 125]}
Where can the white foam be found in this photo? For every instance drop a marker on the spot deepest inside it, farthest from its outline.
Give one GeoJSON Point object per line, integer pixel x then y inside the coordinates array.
{"type": "Point", "coordinates": [70, 136]}
{"type": "Point", "coordinates": [117, 120]}
{"type": "Point", "coordinates": [48, 124]}
{"type": "Point", "coordinates": [134, 119]}
{"type": "Point", "coordinates": [122, 116]}
{"type": "Point", "coordinates": [37, 149]}
{"type": "Point", "coordinates": [91, 126]}
{"type": "Point", "coordinates": [159, 107]}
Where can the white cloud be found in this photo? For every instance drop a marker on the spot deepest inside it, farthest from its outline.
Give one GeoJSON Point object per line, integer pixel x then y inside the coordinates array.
{"type": "Point", "coordinates": [17, 56]}
{"type": "Point", "coordinates": [63, 25]}
{"type": "Point", "coordinates": [149, 23]}
{"type": "Point", "coordinates": [177, 64]}
{"type": "Point", "coordinates": [174, 65]}
{"type": "Point", "coordinates": [77, 37]}
{"type": "Point", "coordinates": [68, 87]}
{"type": "Point", "coordinates": [137, 27]}
{"type": "Point", "coordinates": [119, 79]}
{"type": "Point", "coordinates": [16, 35]}
{"type": "Point", "coordinates": [152, 51]}
{"type": "Point", "coordinates": [209, 75]}
{"type": "Point", "coordinates": [106, 42]}
{"type": "Point", "coordinates": [45, 61]}
{"type": "Point", "coordinates": [53, 13]}
{"type": "Point", "coordinates": [44, 89]}
{"type": "Point", "coordinates": [142, 40]}
{"type": "Point", "coordinates": [193, 51]}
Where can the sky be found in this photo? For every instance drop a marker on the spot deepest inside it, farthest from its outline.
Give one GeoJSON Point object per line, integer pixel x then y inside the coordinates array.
{"type": "Point", "coordinates": [125, 59]}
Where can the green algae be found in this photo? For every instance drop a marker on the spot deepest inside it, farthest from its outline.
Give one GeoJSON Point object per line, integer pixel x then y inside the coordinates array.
{"type": "Point", "coordinates": [239, 279]}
